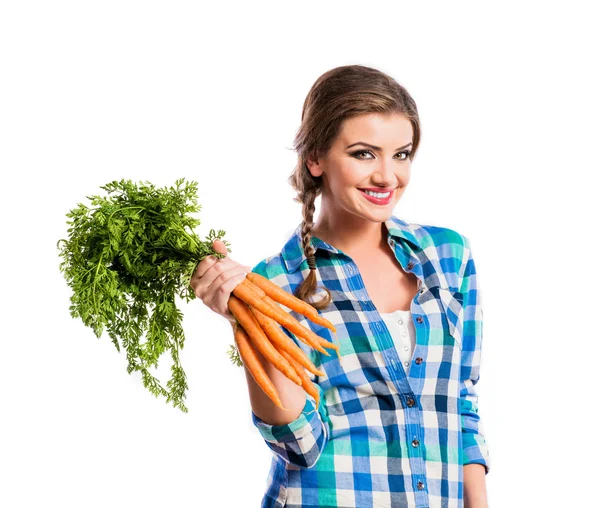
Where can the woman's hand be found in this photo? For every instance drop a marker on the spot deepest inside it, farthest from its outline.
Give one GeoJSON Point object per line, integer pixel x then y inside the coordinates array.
{"type": "Point", "coordinates": [215, 279]}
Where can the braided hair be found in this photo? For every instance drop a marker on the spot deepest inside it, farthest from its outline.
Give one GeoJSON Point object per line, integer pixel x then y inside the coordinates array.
{"type": "Point", "coordinates": [309, 285]}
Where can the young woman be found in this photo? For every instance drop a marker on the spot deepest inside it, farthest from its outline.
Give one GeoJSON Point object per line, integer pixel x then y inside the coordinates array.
{"type": "Point", "coordinates": [398, 422]}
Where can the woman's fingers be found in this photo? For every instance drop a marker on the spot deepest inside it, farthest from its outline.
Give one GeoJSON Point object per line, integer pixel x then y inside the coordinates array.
{"type": "Point", "coordinates": [215, 279]}
{"type": "Point", "coordinates": [218, 266]}
{"type": "Point", "coordinates": [217, 273]}
{"type": "Point", "coordinates": [217, 282]}
{"type": "Point", "coordinates": [222, 293]}
{"type": "Point", "coordinates": [219, 246]}
{"type": "Point", "coordinates": [210, 261]}
{"type": "Point", "coordinates": [205, 265]}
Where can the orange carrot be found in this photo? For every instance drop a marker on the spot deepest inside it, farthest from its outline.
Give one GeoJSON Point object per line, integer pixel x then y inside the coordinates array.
{"type": "Point", "coordinates": [252, 363]}
{"type": "Point", "coordinates": [289, 300]}
{"type": "Point", "coordinates": [307, 384]}
{"type": "Point", "coordinates": [282, 342]}
{"type": "Point", "coordinates": [257, 290]}
{"type": "Point", "coordinates": [253, 287]}
{"type": "Point", "coordinates": [311, 335]}
{"type": "Point", "coordinates": [307, 336]}
{"type": "Point", "coordinates": [245, 317]}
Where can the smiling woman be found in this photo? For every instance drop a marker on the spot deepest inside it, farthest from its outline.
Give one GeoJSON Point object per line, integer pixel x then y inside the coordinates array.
{"type": "Point", "coordinates": [397, 418]}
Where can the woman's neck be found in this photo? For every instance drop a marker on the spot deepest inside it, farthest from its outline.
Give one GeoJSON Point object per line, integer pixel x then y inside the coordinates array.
{"type": "Point", "coordinates": [351, 241]}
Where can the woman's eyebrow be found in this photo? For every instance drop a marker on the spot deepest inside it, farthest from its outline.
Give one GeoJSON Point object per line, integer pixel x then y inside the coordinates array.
{"type": "Point", "coordinates": [376, 148]}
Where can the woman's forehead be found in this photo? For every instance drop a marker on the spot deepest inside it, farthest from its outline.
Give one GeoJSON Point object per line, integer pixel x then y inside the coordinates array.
{"type": "Point", "coordinates": [376, 128]}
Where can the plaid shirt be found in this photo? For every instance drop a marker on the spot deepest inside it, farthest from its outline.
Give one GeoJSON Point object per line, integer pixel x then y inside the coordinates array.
{"type": "Point", "coordinates": [383, 437]}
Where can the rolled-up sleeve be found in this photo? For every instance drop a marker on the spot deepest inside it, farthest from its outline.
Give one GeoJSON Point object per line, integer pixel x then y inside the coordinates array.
{"type": "Point", "coordinates": [299, 442]}
{"type": "Point", "coordinates": [475, 447]}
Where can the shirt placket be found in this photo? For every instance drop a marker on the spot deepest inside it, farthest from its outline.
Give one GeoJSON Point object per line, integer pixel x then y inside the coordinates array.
{"type": "Point", "coordinates": [400, 378]}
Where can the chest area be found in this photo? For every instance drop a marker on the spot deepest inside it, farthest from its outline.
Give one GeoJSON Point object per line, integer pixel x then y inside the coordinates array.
{"type": "Point", "coordinates": [387, 284]}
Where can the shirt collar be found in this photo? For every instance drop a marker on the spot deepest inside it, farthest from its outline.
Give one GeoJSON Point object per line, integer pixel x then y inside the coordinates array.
{"type": "Point", "coordinates": [293, 253]}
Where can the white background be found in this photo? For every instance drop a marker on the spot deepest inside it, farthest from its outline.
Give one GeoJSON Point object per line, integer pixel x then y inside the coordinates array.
{"type": "Point", "coordinates": [96, 91]}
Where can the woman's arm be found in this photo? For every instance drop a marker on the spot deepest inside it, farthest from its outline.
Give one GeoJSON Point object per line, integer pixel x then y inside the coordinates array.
{"type": "Point", "coordinates": [293, 396]}
{"type": "Point", "coordinates": [299, 435]}
{"type": "Point", "coordinates": [475, 448]}
{"type": "Point", "coordinates": [475, 494]}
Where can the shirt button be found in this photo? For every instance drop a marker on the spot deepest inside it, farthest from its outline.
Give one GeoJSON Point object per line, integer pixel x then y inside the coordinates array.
{"type": "Point", "coordinates": [420, 485]}
{"type": "Point", "coordinates": [400, 322]}
{"type": "Point", "coordinates": [410, 402]}
{"type": "Point", "coordinates": [419, 319]}
{"type": "Point", "coordinates": [406, 363]}
{"type": "Point", "coordinates": [410, 265]}
{"type": "Point", "coordinates": [415, 442]}
{"type": "Point", "coordinates": [405, 348]}
{"type": "Point", "coordinates": [418, 360]}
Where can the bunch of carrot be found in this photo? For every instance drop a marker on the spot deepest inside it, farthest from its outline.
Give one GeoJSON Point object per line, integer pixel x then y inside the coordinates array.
{"type": "Point", "coordinates": [254, 304]}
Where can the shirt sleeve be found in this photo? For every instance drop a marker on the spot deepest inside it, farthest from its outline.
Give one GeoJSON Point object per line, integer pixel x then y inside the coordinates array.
{"type": "Point", "coordinates": [475, 448]}
{"type": "Point", "coordinates": [301, 441]}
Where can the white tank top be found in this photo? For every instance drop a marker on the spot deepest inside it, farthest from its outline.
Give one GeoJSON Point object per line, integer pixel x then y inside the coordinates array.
{"type": "Point", "coordinates": [402, 330]}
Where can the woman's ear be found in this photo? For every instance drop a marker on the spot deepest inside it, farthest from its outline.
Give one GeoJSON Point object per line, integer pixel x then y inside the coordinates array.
{"type": "Point", "coordinates": [314, 167]}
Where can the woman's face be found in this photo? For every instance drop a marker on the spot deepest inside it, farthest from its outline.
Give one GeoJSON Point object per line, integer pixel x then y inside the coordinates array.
{"type": "Point", "coordinates": [371, 151]}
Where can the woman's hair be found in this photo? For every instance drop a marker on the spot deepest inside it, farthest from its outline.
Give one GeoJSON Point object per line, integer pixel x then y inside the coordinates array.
{"type": "Point", "coordinates": [337, 95]}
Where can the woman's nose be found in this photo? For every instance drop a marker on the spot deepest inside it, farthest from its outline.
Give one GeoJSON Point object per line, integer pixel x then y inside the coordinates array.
{"type": "Point", "coordinates": [384, 175]}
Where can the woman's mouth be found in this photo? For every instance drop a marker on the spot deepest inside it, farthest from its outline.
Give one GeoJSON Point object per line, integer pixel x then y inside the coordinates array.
{"type": "Point", "coordinates": [379, 198]}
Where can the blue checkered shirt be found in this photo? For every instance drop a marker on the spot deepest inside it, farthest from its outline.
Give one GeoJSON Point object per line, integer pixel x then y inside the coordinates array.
{"type": "Point", "coordinates": [383, 437]}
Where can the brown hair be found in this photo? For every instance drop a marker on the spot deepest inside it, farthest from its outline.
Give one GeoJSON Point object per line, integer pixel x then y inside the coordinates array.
{"type": "Point", "coordinates": [337, 95]}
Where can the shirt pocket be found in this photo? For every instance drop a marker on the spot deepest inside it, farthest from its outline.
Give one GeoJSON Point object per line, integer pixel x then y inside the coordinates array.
{"type": "Point", "coordinates": [444, 310]}
{"type": "Point", "coordinates": [452, 306]}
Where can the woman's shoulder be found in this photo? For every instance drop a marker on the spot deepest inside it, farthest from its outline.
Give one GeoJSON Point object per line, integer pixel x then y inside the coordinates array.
{"type": "Point", "coordinates": [446, 250]}
{"type": "Point", "coordinates": [270, 266]}
{"type": "Point", "coordinates": [436, 235]}
{"type": "Point", "coordinates": [273, 268]}
{"type": "Point", "coordinates": [426, 235]}
{"type": "Point", "coordinates": [284, 266]}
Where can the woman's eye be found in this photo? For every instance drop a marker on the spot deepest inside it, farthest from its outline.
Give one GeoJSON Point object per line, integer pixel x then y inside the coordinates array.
{"type": "Point", "coordinates": [356, 154]}
{"type": "Point", "coordinates": [360, 152]}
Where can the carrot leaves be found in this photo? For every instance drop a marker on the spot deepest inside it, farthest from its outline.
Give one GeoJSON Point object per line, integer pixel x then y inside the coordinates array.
{"type": "Point", "coordinates": [127, 257]}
